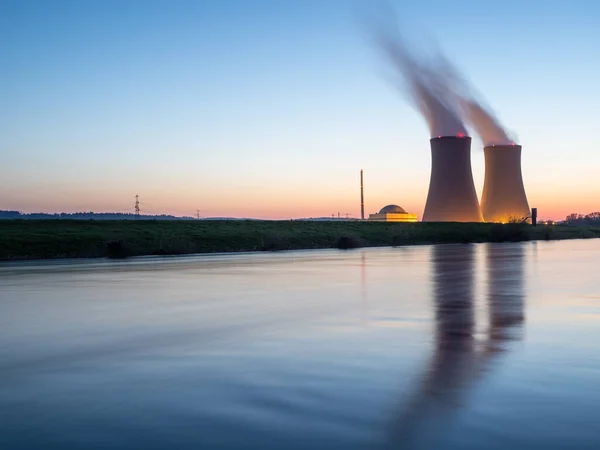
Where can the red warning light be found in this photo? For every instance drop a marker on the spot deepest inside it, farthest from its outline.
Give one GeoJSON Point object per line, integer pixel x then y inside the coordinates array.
{"type": "Point", "coordinates": [461, 135]}
{"type": "Point", "coordinates": [439, 137]}
{"type": "Point", "coordinates": [512, 143]}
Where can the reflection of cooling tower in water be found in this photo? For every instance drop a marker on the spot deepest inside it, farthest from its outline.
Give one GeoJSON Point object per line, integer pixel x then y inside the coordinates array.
{"type": "Point", "coordinates": [503, 191]}
{"type": "Point", "coordinates": [506, 295]}
{"type": "Point", "coordinates": [454, 360]}
{"type": "Point", "coordinates": [457, 363]}
{"type": "Point", "coordinates": [453, 280]}
{"type": "Point", "coordinates": [452, 196]}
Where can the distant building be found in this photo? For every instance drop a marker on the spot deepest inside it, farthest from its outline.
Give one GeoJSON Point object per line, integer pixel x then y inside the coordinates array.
{"type": "Point", "coordinates": [393, 213]}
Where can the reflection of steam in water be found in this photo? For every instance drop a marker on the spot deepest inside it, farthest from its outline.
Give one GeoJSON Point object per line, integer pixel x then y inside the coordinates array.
{"type": "Point", "coordinates": [457, 361]}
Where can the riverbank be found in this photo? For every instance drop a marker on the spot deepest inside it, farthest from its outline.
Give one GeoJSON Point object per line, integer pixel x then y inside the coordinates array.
{"type": "Point", "coordinates": [43, 239]}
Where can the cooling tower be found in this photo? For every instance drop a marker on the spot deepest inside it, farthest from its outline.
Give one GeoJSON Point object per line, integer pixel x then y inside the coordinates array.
{"type": "Point", "coordinates": [452, 196]}
{"type": "Point", "coordinates": [503, 191]}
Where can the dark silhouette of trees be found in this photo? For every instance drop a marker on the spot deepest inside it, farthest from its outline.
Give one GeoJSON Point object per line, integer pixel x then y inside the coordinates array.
{"type": "Point", "coordinates": [591, 219]}
{"type": "Point", "coordinates": [87, 216]}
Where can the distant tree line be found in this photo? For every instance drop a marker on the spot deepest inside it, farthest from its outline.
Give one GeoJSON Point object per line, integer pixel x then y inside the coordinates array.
{"type": "Point", "coordinates": [591, 219]}
{"type": "Point", "coordinates": [87, 216]}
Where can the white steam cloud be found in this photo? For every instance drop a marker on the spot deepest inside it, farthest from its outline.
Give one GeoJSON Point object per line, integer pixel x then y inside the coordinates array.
{"type": "Point", "coordinates": [460, 93]}
{"type": "Point", "coordinates": [424, 88]}
{"type": "Point", "coordinates": [485, 124]}
{"type": "Point", "coordinates": [437, 89]}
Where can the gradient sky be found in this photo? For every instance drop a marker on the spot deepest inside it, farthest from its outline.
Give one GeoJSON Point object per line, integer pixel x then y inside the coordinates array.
{"type": "Point", "coordinates": [270, 108]}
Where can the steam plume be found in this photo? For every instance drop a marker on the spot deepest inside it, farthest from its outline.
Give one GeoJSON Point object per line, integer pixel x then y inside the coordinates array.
{"type": "Point", "coordinates": [441, 93]}
{"type": "Point", "coordinates": [487, 126]}
{"type": "Point", "coordinates": [481, 119]}
{"type": "Point", "coordinates": [423, 87]}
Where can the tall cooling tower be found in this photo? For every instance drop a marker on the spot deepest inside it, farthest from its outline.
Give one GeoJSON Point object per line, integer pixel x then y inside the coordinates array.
{"type": "Point", "coordinates": [452, 196]}
{"type": "Point", "coordinates": [503, 191]}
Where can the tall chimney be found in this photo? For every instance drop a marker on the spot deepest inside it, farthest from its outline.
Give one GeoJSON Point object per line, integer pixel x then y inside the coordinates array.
{"type": "Point", "coordinates": [503, 195]}
{"type": "Point", "coordinates": [452, 196]}
{"type": "Point", "coordinates": [362, 197]}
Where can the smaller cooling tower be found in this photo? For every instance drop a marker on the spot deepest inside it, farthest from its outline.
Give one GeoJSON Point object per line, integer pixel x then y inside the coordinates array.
{"type": "Point", "coordinates": [503, 191]}
{"type": "Point", "coordinates": [452, 196]}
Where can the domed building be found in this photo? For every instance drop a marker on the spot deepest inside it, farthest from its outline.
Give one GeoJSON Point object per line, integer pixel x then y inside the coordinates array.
{"type": "Point", "coordinates": [393, 213]}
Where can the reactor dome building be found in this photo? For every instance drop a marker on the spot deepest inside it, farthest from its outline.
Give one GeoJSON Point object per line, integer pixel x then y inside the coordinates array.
{"type": "Point", "coordinates": [393, 213]}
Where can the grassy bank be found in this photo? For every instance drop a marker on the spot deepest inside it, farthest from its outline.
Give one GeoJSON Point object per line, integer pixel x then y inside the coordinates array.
{"type": "Point", "coordinates": [33, 239]}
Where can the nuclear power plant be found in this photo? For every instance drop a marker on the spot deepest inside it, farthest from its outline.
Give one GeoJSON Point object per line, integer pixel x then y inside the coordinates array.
{"type": "Point", "coordinates": [503, 195]}
{"type": "Point", "coordinates": [447, 103]}
{"type": "Point", "coordinates": [452, 196]}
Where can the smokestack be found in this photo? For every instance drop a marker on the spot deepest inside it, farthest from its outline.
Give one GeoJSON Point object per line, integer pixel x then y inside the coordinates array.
{"type": "Point", "coordinates": [452, 196]}
{"type": "Point", "coordinates": [503, 191]}
{"type": "Point", "coordinates": [362, 197]}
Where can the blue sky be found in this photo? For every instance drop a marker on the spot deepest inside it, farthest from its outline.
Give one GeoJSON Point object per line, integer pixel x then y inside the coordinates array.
{"type": "Point", "coordinates": [271, 108]}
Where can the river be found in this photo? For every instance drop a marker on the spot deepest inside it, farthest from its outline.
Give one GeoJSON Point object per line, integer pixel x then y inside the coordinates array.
{"type": "Point", "coordinates": [466, 346]}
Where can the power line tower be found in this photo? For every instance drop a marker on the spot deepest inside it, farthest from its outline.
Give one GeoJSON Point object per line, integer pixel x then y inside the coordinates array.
{"type": "Point", "coordinates": [137, 206]}
{"type": "Point", "coordinates": [198, 214]}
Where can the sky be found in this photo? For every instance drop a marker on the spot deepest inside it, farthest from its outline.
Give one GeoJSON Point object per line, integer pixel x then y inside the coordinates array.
{"type": "Point", "coordinates": [270, 109]}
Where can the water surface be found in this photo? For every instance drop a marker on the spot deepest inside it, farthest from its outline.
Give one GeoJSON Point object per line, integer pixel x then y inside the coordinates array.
{"type": "Point", "coordinates": [453, 346]}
